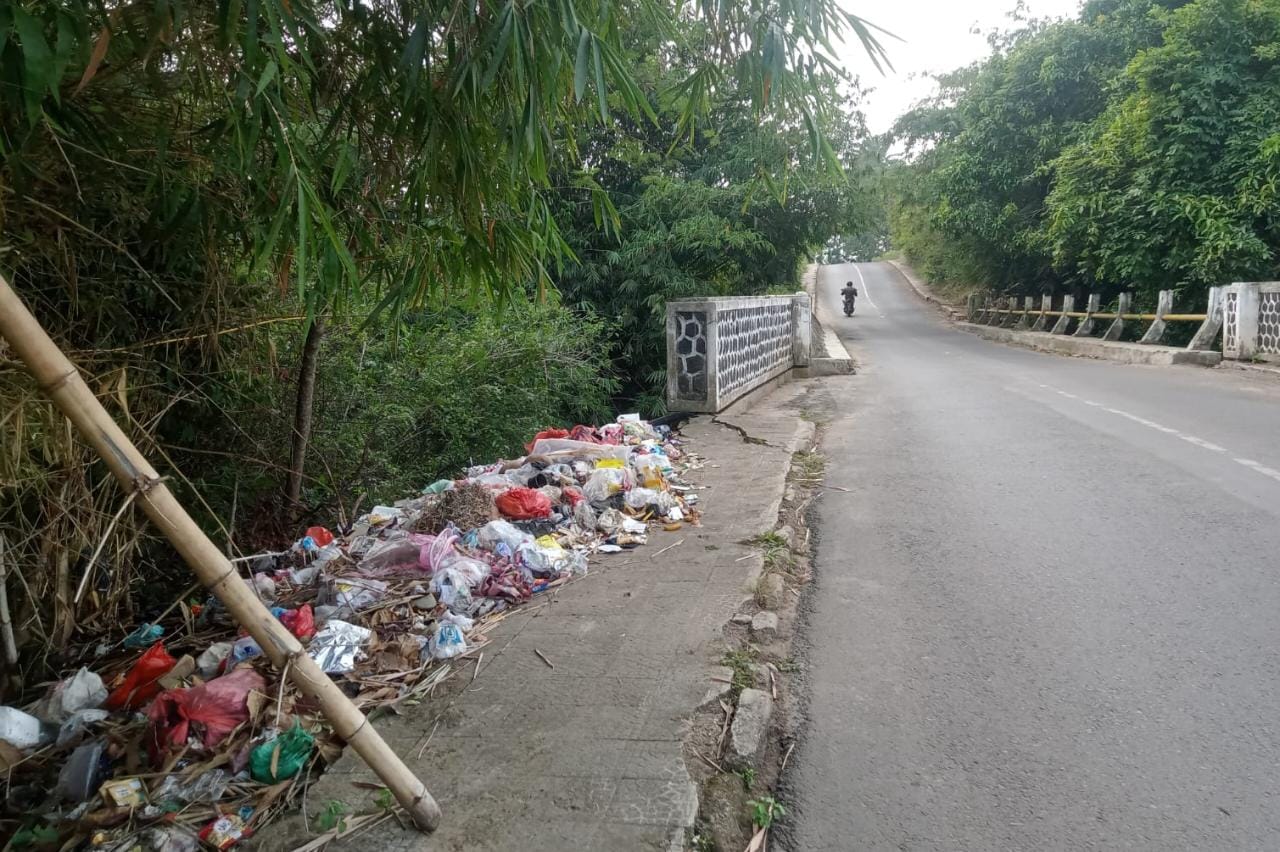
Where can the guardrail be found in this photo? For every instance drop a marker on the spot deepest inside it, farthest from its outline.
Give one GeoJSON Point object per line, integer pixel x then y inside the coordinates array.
{"type": "Point", "coordinates": [1005, 312]}
{"type": "Point", "coordinates": [721, 348]}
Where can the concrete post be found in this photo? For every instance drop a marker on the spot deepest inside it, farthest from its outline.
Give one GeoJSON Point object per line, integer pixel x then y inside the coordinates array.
{"type": "Point", "coordinates": [988, 312]}
{"type": "Point", "coordinates": [1064, 321]}
{"type": "Point", "coordinates": [971, 307]}
{"type": "Point", "coordinates": [1116, 329]}
{"type": "Point", "coordinates": [1010, 305]}
{"type": "Point", "coordinates": [1046, 305]}
{"type": "Point", "coordinates": [801, 329]}
{"type": "Point", "coordinates": [1207, 333]}
{"type": "Point", "coordinates": [673, 360]}
{"type": "Point", "coordinates": [1090, 308]}
{"type": "Point", "coordinates": [1248, 304]}
{"type": "Point", "coordinates": [1028, 305]}
{"type": "Point", "coordinates": [713, 357]}
{"type": "Point", "coordinates": [1164, 305]}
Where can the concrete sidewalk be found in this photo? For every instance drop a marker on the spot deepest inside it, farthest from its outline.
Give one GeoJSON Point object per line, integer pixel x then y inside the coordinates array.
{"type": "Point", "coordinates": [588, 755]}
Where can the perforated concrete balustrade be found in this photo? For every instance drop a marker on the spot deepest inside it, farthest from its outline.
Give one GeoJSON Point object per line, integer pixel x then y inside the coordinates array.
{"type": "Point", "coordinates": [719, 349]}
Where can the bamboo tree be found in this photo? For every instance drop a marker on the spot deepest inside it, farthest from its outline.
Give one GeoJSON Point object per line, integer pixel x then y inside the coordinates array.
{"type": "Point", "coordinates": [63, 383]}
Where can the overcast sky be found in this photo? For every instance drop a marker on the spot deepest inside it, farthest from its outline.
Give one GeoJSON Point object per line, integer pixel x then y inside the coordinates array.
{"type": "Point", "coordinates": [935, 37]}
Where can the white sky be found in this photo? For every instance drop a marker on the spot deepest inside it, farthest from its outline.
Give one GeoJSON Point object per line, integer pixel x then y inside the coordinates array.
{"type": "Point", "coordinates": [935, 37]}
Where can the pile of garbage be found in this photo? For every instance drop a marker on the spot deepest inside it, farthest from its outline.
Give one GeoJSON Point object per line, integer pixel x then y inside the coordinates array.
{"type": "Point", "coordinates": [181, 735]}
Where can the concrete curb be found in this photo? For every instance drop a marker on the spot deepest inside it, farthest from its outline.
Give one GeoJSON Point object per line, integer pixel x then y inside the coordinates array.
{"type": "Point", "coordinates": [923, 290]}
{"type": "Point", "coordinates": [1106, 350]}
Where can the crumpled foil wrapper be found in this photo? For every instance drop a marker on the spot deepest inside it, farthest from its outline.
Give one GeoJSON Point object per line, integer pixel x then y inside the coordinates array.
{"type": "Point", "coordinates": [338, 645]}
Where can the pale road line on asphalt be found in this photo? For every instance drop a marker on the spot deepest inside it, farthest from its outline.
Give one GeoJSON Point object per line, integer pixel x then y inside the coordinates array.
{"type": "Point", "coordinates": [866, 292]}
{"type": "Point", "coordinates": [1256, 467]}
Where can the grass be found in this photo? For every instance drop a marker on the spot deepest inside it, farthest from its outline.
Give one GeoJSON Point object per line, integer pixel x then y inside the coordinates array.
{"type": "Point", "coordinates": [743, 675]}
{"type": "Point", "coordinates": [808, 465]}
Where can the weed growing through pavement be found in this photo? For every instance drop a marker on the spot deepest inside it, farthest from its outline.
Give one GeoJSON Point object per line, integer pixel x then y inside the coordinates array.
{"type": "Point", "coordinates": [740, 662]}
{"type": "Point", "coordinates": [765, 810]}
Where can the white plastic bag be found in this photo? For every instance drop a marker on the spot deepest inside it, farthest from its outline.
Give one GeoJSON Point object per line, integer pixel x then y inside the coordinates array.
{"type": "Point", "coordinates": [22, 730]}
{"type": "Point", "coordinates": [498, 534]}
{"type": "Point", "coordinates": [81, 691]}
{"type": "Point", "coordinates": [447, 641]}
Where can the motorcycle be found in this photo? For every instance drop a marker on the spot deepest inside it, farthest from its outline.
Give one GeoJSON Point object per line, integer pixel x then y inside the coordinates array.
{"type": "Point", "coordinates": [848, 304]}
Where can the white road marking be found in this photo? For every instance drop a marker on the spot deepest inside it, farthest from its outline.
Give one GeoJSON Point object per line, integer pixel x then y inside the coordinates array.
{"type": "Point", "coordinates": [1256, 467]}
{"type": "Point", "coordinates": [866, 291]}
{"type": "Point", "coordinates": [1260, 468]}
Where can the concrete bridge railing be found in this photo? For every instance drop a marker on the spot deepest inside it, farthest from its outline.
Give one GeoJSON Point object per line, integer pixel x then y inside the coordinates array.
{"type": "Point", "coordinates": [1091, 321]}
{"type": "Point", "coordinates": [1251, 321]}
{"type": "Point", "coordinates": [719, 349]}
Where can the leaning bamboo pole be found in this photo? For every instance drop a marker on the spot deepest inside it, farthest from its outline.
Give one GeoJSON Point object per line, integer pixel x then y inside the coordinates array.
{"type": "Point", "coordinates": [64, 385]}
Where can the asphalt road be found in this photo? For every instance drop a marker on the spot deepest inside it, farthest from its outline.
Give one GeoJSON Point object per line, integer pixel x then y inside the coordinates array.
{"type": "Point", "coordinates": [1047, 613]}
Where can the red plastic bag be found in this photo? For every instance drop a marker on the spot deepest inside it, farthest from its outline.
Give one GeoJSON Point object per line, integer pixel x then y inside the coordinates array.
{"type": "Point", "coordinates": [523, 504]}
{"type": "Point", "coordinates": [140, 685]}
{"type": "Point", "coordinates": [218, 706]}
{"type": "Point", "coordinates": [546, 433]}
{"type": "Point", "coordinates": [573, 495]}
{"type": "Point", "coordinates": [301, 622]}
{"type": "Point", "coordinates": [321, 536]}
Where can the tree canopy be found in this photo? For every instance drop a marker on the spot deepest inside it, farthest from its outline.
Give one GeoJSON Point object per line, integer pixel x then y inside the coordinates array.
{"type": "Point", "coordinates": [1131, 148]}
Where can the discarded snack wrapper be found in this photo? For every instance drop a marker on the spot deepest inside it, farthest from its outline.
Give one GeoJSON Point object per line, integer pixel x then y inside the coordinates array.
{"type": "Point", "coordinates": [124, 793]}
{"type": "Point", "coordinates": [228, 829]}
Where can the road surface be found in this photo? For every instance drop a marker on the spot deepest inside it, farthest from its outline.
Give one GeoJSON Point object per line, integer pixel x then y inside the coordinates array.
{"type": "Point", "coordinates": [1047, 615]}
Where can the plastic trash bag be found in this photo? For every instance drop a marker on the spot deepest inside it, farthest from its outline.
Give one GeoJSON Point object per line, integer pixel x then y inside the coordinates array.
{"type": "Point", "coordinates": [640, 498]}
{"type": "Point", "coordinates": [447, 641]}
{"type": "Point", "coordinates": [337, 646]}
{"type": "Point", "coordinates": [145, 635]}
{"type": "Point", "coordinates": [244, 648]}
{"type": "Point", "coordinates": [75, 724]}
{"type": "Point", "coordinates": [496, 535]}
{"type": "Point", "coordinates": [605, 482]}
{"type": "Point", "coordinates": [216, 707]}
{"type": "Point", "coordinates": [301, 622]}
{"type": "Point", "coordinates": [81, 691]}
{"type": "Point", "coordinates": [209, 663]}
{"type": "Point", "coordinates": [293, 747]}
{"type": "Point", "coordinates": [438, 487]}
{"type": "Point", "coordinates": [353, 593]}
{"type": "Point", "coordinates": [22, 730]}
{"type": "Point", "coordinates": [83, 773]}
{"type": "Point", "coordinates": [563, 448]}
{"type": "Point", "coordinates": [401, 556]}
{"type": "Point", "coordinates": [523, 504]}
{"type": "Point", "coordinates": [207, 787]}
{"type": "Point", "coordinates": [140, 684]}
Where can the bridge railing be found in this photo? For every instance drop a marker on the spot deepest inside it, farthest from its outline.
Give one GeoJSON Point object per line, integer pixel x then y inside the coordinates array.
{"type": "Point", "coordinates": [1251, 321]}
{"type": "Point", "coordinates": [1092, 321]}
{"type": "Point", "coordinates": [721, 348]}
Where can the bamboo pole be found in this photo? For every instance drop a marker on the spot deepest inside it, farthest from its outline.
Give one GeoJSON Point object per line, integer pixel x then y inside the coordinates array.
{"type": "Point", "coordinates": [6, 623]}
{"type": "Point", "coordinates": [64, 385]}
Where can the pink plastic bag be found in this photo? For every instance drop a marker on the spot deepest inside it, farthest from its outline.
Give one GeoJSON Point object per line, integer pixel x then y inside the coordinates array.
{"type": "Point", "coordinates": [216, 708]}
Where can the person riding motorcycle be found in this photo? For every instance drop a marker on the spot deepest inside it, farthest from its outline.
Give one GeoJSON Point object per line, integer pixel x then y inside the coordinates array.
{"type": "Point", "coordinates": [850, 293]}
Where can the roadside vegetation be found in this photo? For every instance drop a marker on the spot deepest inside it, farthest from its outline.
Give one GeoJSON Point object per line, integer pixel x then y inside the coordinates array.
{"type": "Point", "coordinates": [314, 254]}
{"type": "Point", "coordinates": [1136, 147]}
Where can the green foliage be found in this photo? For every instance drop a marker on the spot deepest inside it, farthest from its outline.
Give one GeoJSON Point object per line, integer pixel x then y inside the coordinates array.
{"type": "Point", "coordinates": [399, 408]}
{"type": "Point", "coordinates": [702, 219]}
{"type": "Point", "coordinates": [180, 182]}
{"type": "Point", "coordinates": [765, 810]}
{"type": "Point", "coordinates": [1126, 149]}
{"type": "Point", "coordinates": [1177, 182]}
{"type": "Point", "coordinates": [332, 816]}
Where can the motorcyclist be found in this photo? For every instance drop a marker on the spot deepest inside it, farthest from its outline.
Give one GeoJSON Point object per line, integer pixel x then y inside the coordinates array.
{"type": "Point", "coordinates": [850, 293]}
